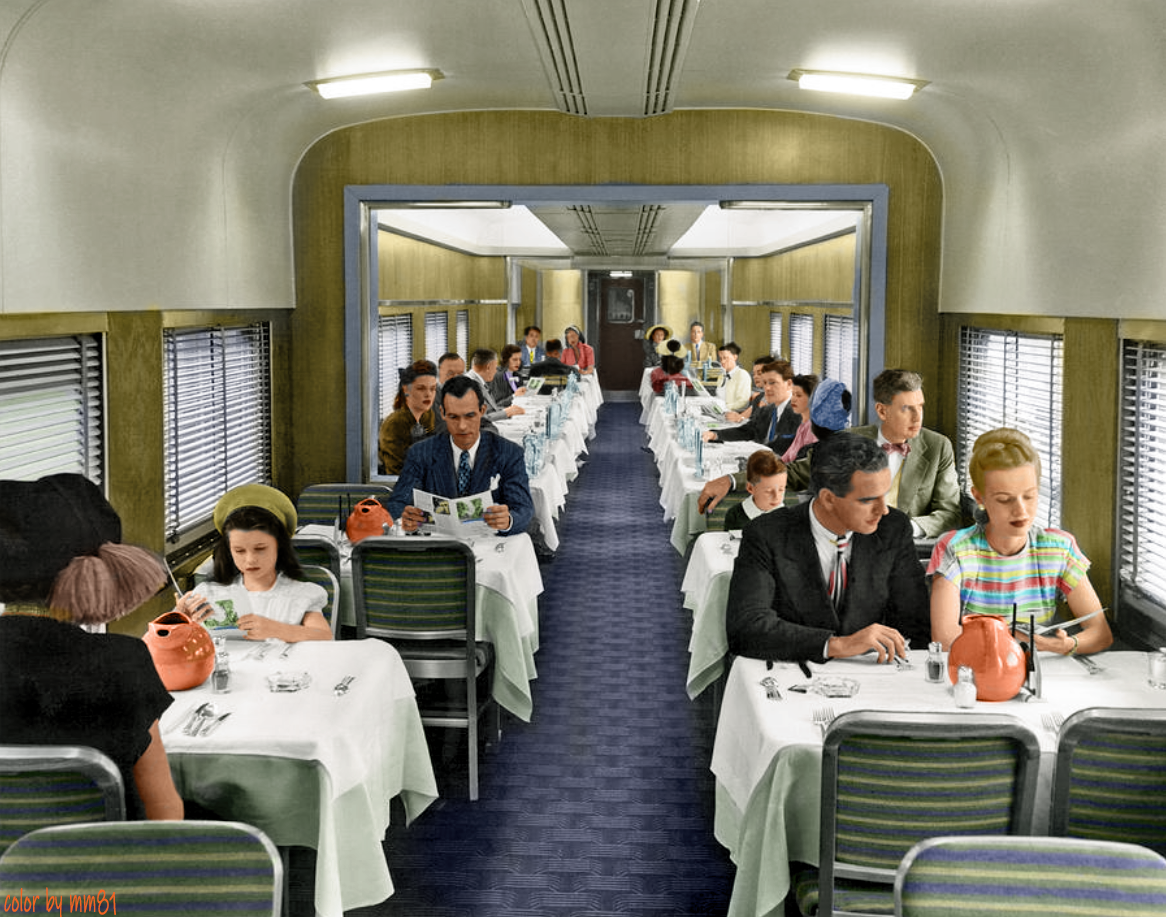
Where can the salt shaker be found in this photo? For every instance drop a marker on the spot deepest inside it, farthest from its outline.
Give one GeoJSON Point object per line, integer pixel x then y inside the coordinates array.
{"type": "Point", "coordinates": [935, 662]}
{"type": "Point", "coordinates": [965, 687]}
{"type": "Point", "coordinates": [221, 676]}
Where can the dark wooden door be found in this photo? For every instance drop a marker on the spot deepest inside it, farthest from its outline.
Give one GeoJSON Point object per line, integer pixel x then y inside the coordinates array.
{"type": "Point", "coordinates": [621, 305]}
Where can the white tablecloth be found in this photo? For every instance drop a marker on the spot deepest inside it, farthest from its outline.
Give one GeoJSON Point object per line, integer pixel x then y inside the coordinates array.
{"type": "Point", "coordinates": [354, 753]}
{"type": "Point", "coordinates": [768, 754]}
{"type": "Point", "coordinates": [508, 586]}
{"type": "Point", "coordinates": [706, 593]}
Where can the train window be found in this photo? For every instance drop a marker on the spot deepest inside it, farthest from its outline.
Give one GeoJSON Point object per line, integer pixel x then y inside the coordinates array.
{"type": "Point", "coordinates": [838, 350]}
{"type": "Point", "coordinates": [52, 408]}
{"type": "Point", "coordinates": [463, 331]}
{"type": "Point", "coordinates": [217, 415]}
{"type": "Point", "coordinates": [395, 353]}
{"type": "Point", "coordinates": [1142, 469]}
{"type": "Point", "coordinates": [801, 342]}
{"type": "Point", "coordinates": [436, 335]}
{"type": "Point", "coordinates": [775, 333]}
{"type": "Point", "coordinates": [1008, 379]}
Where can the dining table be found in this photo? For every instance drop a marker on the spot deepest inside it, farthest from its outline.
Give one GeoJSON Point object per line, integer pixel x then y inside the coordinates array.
{"type": "Point", "coordinates": [767, 755]}
{"type": "Point", "coordinates": [314, 767]}
{"type": "Point", "coordinates": [706, 594]}
{"type": "Point", "coordinates": [508, 584]}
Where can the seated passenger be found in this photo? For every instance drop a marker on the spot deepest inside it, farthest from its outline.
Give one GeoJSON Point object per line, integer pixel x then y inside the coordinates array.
{"type": "Point", "coordinates": [765, 481]}
{"type": "Point", "coordinates": [734, 388]}
{"type": "Point", "coordinates": [757, 396]}
{"type": "Point", "coordinates": [1009, 560]}
{"type": "Point", "coordinates": [255, 584]}
{"type": "Point", "coordinates": [62, 565]}
{"type": "Point", "coordinates": [529, 350]}
{"type": "Point", "coordinates": [799, 402]}
{"type": "Point", "coordinates": [834, 577]}
{"type": "Point", "coordinates": [507, 382]}
{"type": "Point", "coordinates": [671, 369]}
{"type": "Point", "coordinates": [551, 365]}
{"type": "Point", "coordinates": [413, 418]}
{"type": "Point", "coordinates": [774, 424]}
{"type": "Point", "coordinates": [578, 352]}
{"type": "Point", "coordinates": [654, 341]}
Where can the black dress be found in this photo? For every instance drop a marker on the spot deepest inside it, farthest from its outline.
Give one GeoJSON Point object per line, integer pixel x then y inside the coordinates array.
{"type": "Point", "coordinates": [62, 686]}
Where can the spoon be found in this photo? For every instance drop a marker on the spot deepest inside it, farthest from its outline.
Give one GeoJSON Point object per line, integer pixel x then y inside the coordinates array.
{"type": "Point", "coordinates": [201, 715]}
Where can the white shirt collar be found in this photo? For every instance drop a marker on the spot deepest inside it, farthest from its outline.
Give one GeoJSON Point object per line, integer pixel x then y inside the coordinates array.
{"type": "Point", "coordinates": [826, 542]}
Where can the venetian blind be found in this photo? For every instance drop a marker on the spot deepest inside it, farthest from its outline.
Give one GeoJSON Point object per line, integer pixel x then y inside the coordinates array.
{"type": "Point", "coordinates": [1008, 379]}
{"type": "Point", "coordinates": [52, 411]}
{"type": "Point", "coordinates": [775, 333]}
{"type": "Point", "coordinates": [217, 407]}
{"type": "Point", "coordinates": [801, 342]}
{"type": "Point", "coordinates": [436, 335]}
{"type": "Point", "coordinates": [1142, 469]}
{"type": "Point", "coordinates": [463, 331]}
{"type": "Point", "coordinates": [838, 349]}
{"type": "Point", "coordinates": [395, 351]}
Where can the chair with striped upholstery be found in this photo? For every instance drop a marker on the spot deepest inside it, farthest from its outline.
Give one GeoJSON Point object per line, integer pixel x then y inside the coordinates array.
{"type": "Point", "coordinates": [322, 504]}
{"type": "Point", "coordinates": [1034, 876]}
{"type": "Point", "coordinates": [890, 780]}
{"type": "Point", "coordinates": [42, 785]}
{"type": "Point", "coordinates": [1110, 778]}
{"type": "Point", "coordinates": [715, 521]}
{"type": "Point", "coordinates": [322, 576]}
{"type": "Point", "coordinates": [150, 868]}
{"type": "Point", "coordinates": [419, 594]}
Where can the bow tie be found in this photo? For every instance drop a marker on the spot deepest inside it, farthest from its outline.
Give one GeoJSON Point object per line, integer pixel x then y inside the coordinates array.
{"type": "Point", "coordinates": [901, 448]}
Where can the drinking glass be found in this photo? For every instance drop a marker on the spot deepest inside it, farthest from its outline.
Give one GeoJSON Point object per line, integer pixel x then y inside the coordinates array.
{"type": "Point", "coordinates": [1156, 674]}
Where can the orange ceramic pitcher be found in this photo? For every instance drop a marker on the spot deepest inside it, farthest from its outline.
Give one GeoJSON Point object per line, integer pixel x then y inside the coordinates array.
{"type": "Point", "coordinates": [183, 652]}
{"type": "Point", "coordinates": [989, 649]}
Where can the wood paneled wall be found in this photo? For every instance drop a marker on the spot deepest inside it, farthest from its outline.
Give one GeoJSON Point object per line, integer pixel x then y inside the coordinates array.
{"type": "Point", "coordinates": [522, 147]}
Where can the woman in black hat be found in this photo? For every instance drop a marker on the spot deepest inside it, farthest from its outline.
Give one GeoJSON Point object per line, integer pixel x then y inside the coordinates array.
{"type": "Point", "coordinates": [62, 565]}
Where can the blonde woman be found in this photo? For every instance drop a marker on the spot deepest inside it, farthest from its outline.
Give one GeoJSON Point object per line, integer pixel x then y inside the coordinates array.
{"type": "Point", "coordinates": [1009, 560]}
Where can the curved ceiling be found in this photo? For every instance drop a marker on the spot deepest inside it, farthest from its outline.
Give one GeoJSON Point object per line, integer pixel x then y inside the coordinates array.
{"type": "Point", "coordinates": [169, 131]}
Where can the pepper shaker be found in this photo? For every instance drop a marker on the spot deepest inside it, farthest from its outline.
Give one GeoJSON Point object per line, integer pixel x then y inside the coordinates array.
{"type": "Point", "coordinates": [935, 662]}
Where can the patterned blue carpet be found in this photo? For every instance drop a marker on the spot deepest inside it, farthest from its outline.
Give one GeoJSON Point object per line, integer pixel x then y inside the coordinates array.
{"type": "Point", "coordinates": [603, 803]}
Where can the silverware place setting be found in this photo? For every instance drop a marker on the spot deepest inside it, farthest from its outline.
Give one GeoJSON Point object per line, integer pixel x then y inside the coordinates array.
{"type": "Point", "coordinates": [823, 717]}
{"type": "Point", "coordinates": [210, 724]}
{"type": "Point", "coordinates": [343, 685]}
{"type": "Point", "coordinates": [198, 718]}
{"type": "Point", "coordinates": [771, 690]}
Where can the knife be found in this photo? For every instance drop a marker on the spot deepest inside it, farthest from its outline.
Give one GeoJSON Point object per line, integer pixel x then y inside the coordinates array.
{"type": "Point", "coordinates": [214, 724]}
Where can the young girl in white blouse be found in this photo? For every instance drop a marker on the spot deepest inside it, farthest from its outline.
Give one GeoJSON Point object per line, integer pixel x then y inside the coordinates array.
{"type": "Point", "coordinates": [255, 585]}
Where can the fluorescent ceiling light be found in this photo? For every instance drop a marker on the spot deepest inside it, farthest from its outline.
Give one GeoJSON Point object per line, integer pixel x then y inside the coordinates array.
{"type": "Point", "coordinates": [619, 274]}
{"type": "Point", "coordinates": [365, 84]}
{"type": "Point", "coordinates": [862, 84]}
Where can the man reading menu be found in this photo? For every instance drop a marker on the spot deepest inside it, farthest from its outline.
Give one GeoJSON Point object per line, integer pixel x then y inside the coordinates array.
{"type": "Point", "coordinates": [466, 462]}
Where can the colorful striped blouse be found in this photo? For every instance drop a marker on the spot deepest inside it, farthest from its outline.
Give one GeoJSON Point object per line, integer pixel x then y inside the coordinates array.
{"type": "Point", "coordinates": [990, 583]}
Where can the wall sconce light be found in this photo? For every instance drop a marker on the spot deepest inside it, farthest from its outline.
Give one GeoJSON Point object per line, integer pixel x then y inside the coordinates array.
{"type": "Point", "coordinates": [863, 84]}
{"type": "Point", "coordinates": [373, 83]}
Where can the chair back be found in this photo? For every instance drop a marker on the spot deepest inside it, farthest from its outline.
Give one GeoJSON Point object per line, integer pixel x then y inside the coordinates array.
{"type": "Point", "coordinates": [1037, 876]}
{"type": "Point", "coordinates": [715, 521]}
{"type": "Point", "coordinates": [1110, 777]}
{"type": "Point", "coordinates": [150, 868]}
{"type": "Point", "coordinates": [322, 576]}
{"type": "Point", "coordinates": [42, 785]}
{"type": "Point", "coordinates": [413, 588]}
{"type": "Point", "coordinates": [321, 504]}
{"type": "Point", "coordinates": [890, 780]}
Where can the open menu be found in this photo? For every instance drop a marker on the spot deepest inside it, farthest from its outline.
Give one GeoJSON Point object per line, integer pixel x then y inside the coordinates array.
{"type": "Point", "coordinates": [459, 517]}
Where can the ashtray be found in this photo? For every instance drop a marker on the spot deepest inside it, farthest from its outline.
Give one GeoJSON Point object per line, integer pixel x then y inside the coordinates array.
{"type": "Point", "coordinates": [288, 681]}
{"type": "Point", "coordinates": [834, 686]}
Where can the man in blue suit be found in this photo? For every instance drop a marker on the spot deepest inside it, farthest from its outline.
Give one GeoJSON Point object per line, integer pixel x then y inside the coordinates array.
{"type": "Point", "coordinates": [532, 351]}
{"type": "Point", "coordinates": [478, 459]}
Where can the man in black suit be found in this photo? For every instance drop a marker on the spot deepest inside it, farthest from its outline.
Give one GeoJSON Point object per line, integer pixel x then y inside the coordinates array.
{"type": "Point", "coordinates": [494, 464]}
{"type": "Point", "coordinates": [776, 423]}
{"type": "Point", "coordinates": [837, 576]}
{"type": "Point", "coordinates": [551, 365]}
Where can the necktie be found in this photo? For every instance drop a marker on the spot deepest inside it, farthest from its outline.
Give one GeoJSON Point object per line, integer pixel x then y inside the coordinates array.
{"type": "Point", "coordinates": [772, 426]}
{"type": "Point", "coordinates": [837, 584]}
{"type": "Point", "coordinates": [901, 448]}
{"type": "Point", "coordinates": [463, 475]}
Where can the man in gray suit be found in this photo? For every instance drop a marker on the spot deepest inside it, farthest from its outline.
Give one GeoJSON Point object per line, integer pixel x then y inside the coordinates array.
{"type": "Point", "coordinates": [922, 462]}
{"type": "Point", "coordinates": [835, 577]}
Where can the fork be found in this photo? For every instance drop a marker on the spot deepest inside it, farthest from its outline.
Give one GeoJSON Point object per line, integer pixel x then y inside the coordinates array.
{"type": "Point", "coordinates": [1093, 667]}
{"type": "Point", "coordinates": [823, 717]}
{"type": "Point", "coordinates": [1052, 721]}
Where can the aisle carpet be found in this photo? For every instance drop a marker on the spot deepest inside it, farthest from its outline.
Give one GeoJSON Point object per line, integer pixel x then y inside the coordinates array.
{"type": "Point", "coordinates": [602, 804]}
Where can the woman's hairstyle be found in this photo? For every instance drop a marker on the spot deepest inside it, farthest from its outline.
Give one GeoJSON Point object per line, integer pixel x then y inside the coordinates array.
{"type": "Point", "coordinates": [671, 364]}
{"type": "Point", "coordinates": [1003, 447]}
{"type": "Point", "coordinates": [408, 376]}
{"type": "Point", "coordinates": [763, 463]}
{"type": "Point", "coordinates": [807, 382]}
{"type": "Point", "coordinates": [255, 519]}
{"type": "Point", "coordinates": [578, 331]}
{"type": "Point", "coordinates": [507, 352]}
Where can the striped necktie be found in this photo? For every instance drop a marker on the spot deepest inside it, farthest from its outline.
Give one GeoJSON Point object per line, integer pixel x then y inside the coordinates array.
{"type": "Point", "coordinates": [837, 584]}
{"type": "Point", "coordinates": [463, 475]}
